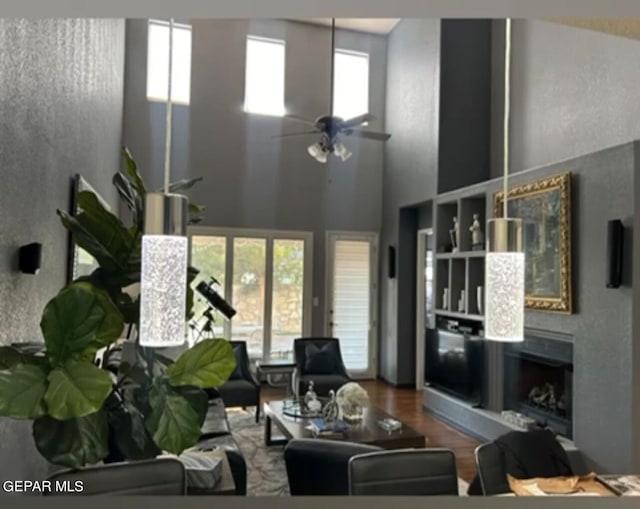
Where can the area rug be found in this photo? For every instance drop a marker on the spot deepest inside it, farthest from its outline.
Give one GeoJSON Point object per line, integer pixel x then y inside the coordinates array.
{"type": "Point", "coordinates": [266, 471]}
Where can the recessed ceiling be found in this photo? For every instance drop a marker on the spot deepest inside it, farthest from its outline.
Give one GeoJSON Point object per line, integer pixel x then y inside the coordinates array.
{"type": "Point", "coordinates": [380, 26]}
{"type": "Point", "coordinates": [622, 27]}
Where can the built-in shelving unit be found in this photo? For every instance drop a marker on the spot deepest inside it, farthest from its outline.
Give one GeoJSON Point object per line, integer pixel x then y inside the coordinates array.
{"type": "Point", "coordinates": [461, 270]}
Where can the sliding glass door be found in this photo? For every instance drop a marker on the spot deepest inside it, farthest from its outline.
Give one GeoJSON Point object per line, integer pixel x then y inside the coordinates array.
{"type": "Point", "coordinates": [266, 276]}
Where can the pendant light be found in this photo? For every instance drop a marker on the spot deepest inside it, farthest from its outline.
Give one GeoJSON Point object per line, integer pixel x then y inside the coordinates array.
{"type": "Point", "coordinates": [504, 265]}
{"type": "Point", "coordinates": [163, 287]}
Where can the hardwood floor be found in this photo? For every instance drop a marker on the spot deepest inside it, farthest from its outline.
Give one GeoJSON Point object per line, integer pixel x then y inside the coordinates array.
{"type": "Point", "coordinates": [406, 405]}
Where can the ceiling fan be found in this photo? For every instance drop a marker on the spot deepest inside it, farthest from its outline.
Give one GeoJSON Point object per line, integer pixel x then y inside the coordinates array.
{"type": "Point", "coordinates": [332, 128]}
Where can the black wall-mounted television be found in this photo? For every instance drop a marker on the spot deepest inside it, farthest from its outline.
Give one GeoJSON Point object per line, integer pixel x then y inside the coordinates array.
{"type": "Point", "coordinates": [454, 363]}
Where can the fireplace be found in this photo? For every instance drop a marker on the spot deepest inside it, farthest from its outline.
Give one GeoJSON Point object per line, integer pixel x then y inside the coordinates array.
{"type": "Point", "coordinates": [538, 382]}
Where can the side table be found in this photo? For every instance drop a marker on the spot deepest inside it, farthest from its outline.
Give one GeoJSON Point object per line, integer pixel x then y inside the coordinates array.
{"type": "Point", "coordinates": [277, 366]}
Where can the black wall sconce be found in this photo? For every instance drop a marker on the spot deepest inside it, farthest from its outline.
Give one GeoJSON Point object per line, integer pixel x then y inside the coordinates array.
{"type": "Point", "coordinates": [30, 258]}
{"type": "Point", "coordinates": [615, 244]}
{"type": "Point", "coordinates": [391, 268]}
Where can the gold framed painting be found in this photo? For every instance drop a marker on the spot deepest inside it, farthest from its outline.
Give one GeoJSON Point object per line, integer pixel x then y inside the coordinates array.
{"type": "Point", "coordinates": [545, 209]}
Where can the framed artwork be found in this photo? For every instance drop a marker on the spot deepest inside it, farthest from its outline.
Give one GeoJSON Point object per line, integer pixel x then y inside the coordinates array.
{"type": "Point", "coordinates": [545, 209]}
{"type": "Point", "coordinates": [80, 263]}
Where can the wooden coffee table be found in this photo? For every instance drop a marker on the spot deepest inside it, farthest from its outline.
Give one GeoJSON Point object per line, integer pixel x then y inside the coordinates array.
{"type": "Point", "coordinates": [365, 432]}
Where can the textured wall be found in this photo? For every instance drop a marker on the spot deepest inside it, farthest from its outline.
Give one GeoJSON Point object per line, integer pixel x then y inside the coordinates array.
{"type": "Point", "coordinates": [574, 91]}
{"type": "Point", "coordinates": [61, 92]}
{"type": "Point", "coordinates": [465, 110]}
{"type": "Point", "coordinates": [411, 157]}
{"type": "Point", "coordinates": [605, 360]}
{"type": "Point", "coordinates": [252, 180]}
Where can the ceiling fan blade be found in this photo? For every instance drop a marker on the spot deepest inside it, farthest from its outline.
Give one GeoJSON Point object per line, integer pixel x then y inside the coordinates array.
{"type": "Point", "coordinates": [301, 119]}
{"type": "Point", "coordinates": [371, 135]}
{"type": "Point", "coordinates": [286, 135]}
{"type": "Point", "coordinates": [360, 119]}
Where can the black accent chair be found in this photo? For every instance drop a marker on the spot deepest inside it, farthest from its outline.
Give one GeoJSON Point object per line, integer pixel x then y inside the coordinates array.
{"type": "Point", "coordinates": [320, 360]}
{"type": "Point", "coordinates": [319, 466]}
{"type": "Point", "coordinates": [242, 389]}
{"type": "Point", "coordinates": [162, 476]}
{"type": "Point", "coordinates": [522, 454]}
{"type": "Point", "coordinates": [404, 472]}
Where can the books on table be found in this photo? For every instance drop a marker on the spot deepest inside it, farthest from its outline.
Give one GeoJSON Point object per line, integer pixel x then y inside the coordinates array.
{"type": "Point", "coordinates": [623, 485]}
{"type": "Point", "coordinates": [321, 428]}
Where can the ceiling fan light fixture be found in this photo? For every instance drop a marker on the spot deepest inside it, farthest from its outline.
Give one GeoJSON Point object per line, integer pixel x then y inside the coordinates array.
{"type": "Point", "coordinates": [342, 151]}
{"type": "Point", "coordinates": [318, 151]}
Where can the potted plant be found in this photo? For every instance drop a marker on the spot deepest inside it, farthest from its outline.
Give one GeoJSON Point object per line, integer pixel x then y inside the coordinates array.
{"type": "Point", "coordinates": [83, 413]}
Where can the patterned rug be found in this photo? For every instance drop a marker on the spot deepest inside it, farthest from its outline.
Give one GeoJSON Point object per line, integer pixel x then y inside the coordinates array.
{"type": "Point", "coordinates": [266, 471]}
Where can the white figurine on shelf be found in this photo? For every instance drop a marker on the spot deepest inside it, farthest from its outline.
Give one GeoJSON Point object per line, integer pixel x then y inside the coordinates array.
{"type": "Point", "coordinates": [455, 236]}
{"type": "Point", "coordinates": [445, 299]}
{"type": "Point", "coordinates": [477, 237]}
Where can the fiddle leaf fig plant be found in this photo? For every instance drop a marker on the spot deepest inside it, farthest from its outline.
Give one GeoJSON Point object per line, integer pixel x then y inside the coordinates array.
{"type": "Point", "coordinates": [84, 411]}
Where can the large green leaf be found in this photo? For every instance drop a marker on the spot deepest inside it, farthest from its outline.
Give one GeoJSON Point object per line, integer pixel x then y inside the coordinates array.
{"type": "Point", "coordinates": [77, 389]}
{"type": "Point", "coordinates": [131, 169]}
{"type": "Point", "coordinates": [129, 195]}
{"type": "Point", "coordinates": [183, 185]}
{"type": "Point", "coordinates": [9, 357]}
{"type": "Point", "coordinates": [197, 398]}
{"type": "Point", "coordinates": [106, 228]}
{"type": "Point", "coordinates": [80, 318]}
{"type": "Point", "coordinates": [21, 392]}
{"type": "Point", "coordinates": [208, 364]}
{"type": "Point", "coordinates": [100, 232]}
{"type": "Point", "coordinates": [72, 443]}
{"type": "Point", "coordinates": [126, 423]}
{"type": "Point", "coordinates": [174, 424]}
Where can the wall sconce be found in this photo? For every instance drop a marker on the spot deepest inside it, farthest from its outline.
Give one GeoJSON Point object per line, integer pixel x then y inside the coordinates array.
{"type": "Point", "coordinates": [30, 258]}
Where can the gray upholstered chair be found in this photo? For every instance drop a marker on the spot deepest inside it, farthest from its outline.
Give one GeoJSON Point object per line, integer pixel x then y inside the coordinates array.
{"type": "Point", "coordinates": [404, 472]}
{"type": "Point", "coordinates": [320, 360]}
{"type": "Point", "coordinates": [242, 389]}
{"type": "Point", "coordinates": [162, 476]}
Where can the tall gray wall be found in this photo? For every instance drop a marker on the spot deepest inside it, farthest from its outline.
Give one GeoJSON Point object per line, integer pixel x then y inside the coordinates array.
{"type": "Point", "coordinates": [606, 357]}
{"type": "Point", "coordinates": [252, 180]}
{"type": "Point", "coordinates": [61, 92]}
{"type": "Point", "coordinates": [573, 91]}
{"type": "Point", "coordinates": [411, 163]}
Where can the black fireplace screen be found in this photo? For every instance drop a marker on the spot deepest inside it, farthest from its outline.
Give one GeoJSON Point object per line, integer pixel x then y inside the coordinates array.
{"type": "Point", "coordinates": [540, 386]}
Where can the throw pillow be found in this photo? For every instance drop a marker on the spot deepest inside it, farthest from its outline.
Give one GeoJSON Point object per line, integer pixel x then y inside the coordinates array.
{"type": "Point", "coordinates": [237, 372]}
{"type": "Point", "coordinates": [321, 360]}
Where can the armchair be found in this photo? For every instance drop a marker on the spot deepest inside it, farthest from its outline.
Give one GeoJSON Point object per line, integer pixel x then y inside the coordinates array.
{"type": "Point", "coordinates": [242, 389]}
{"type": "Point", "coordinates": [321, 467]}
{"type": "Point", "coordinates": [320, 360]}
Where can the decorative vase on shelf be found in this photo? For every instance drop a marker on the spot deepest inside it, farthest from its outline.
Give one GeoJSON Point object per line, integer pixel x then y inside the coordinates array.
{"type": "Point", "coordinates": [461, 302]}
{"type": "Point", "coordinates": [352, 399]}
{"type": "Point", "coordinates": [479, 296]}
{"type": "Point", "coordinates": [445, 299]}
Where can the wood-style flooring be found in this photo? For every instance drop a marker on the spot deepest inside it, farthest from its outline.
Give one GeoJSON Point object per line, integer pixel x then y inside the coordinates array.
{"type": "Point", "coordinates": [406, 406]}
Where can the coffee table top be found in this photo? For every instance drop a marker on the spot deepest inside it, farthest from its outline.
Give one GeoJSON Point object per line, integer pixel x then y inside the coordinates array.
{"type": "Point", "coordinates": [365, 432]}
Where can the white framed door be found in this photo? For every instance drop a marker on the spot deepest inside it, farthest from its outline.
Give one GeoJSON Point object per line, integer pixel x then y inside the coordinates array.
{"type": "Point", "coordinates": [351, 297]}
{"type": "Point", "coordinates": [424, 298]}
{"type": "Point", "coordinates": [266, 275]}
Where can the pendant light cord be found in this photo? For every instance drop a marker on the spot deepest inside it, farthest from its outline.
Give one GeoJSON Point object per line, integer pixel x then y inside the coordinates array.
{"type": "Point", "coordinates": [507, 93]}
{"type": "Point", "coordinates": [167, 152]}
{"type": "Point", "coordinates": [333, 63]}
